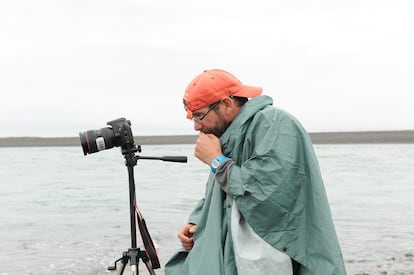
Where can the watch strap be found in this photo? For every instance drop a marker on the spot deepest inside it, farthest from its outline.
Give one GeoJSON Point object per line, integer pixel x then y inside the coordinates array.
{"type": "Point", "coordinates": [217, 161]}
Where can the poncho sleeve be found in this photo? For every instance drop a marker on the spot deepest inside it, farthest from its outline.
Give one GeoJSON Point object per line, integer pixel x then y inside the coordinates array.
{"type": "Point", "coordinates": [278, 189]}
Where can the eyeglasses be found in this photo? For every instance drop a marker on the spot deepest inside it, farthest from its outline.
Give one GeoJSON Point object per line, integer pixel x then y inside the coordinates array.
{"type": "Point", "coordinates": [201, 117]}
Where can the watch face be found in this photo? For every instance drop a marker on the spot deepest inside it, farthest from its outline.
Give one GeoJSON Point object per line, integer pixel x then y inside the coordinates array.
{"type": "Point", "coordinates": [215, 163]}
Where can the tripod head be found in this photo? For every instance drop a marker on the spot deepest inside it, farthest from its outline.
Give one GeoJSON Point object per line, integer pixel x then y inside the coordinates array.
{"type": "Point", "coordinates": [119, 134]}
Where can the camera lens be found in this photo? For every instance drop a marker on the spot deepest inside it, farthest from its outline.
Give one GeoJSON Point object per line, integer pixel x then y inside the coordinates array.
{"type": "Point", "coordinates": [93, 141]}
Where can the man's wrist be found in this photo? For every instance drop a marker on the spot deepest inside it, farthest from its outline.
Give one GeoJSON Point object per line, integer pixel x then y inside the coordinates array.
{"type": "Point", "coordinates": [217, 161]}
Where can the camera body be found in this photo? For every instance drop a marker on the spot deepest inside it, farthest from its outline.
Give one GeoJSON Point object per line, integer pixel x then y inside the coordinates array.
{"type": "Point", "coordinates": [118, 134]}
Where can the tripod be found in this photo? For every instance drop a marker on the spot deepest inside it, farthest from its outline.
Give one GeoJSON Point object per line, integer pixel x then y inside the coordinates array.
{"type": "Point", "coordinates": [134, 254]}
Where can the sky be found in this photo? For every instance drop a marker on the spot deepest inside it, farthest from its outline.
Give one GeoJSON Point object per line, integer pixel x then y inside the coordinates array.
{"type": "Point", "coordinates": [71, 66]}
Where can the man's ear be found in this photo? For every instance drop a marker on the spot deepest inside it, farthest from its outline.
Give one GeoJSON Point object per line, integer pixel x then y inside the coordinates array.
{"type": "Point", "coordinates": [228, 103]}
{"type": "Point", "coordinates": [231, 107]}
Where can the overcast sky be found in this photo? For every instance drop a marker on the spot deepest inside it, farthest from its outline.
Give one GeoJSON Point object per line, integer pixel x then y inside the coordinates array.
{"type": "Point", "coordinates": [70, 66]}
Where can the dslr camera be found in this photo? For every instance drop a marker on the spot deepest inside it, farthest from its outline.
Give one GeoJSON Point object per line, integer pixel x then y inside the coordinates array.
{"type": "Point", "coordinates": [118, 134]}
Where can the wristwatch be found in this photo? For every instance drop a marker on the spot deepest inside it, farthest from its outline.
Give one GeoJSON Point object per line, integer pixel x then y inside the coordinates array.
{"type": "Point", "coordinates": [215, 163]}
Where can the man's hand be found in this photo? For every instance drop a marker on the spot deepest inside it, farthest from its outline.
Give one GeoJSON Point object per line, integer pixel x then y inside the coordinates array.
{"type": "Point", "coordinates": [207, 147]}
{"type": "Point", "coordinates": [186, 234]}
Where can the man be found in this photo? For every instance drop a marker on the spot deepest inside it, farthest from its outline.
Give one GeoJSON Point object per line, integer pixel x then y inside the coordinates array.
{"type": "Point", "coordinates": [265, 209]}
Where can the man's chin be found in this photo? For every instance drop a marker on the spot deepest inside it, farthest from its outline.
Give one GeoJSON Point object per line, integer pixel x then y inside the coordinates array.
{"type": "Point", "coordinates": [208, 132]}
{"type": "Point", "coordinates": [219, 131]}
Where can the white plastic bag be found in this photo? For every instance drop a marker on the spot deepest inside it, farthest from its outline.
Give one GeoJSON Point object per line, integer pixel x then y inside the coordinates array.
{"type": "Point", "coordinates": [254, 255]}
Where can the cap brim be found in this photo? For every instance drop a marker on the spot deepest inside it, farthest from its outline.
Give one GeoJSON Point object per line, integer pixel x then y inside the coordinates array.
{"type": "Point", "coordinates": [249, 91]}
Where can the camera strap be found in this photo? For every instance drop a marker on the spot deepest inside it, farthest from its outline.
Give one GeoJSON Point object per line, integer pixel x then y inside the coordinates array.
{"type": "Point", "coordinates": [150, 249]}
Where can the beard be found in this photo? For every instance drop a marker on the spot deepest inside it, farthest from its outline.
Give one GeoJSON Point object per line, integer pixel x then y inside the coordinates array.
{"type": "Point", "coordinates": [220, 128]}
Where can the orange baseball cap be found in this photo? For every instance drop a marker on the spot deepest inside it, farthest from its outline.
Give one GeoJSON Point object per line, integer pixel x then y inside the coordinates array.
{"type": "Point", "coordinates": [213, 85]}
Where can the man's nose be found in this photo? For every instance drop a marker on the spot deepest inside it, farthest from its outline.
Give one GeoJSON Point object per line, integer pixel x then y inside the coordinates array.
{"type": "Point", "coordinates": [198, 126]}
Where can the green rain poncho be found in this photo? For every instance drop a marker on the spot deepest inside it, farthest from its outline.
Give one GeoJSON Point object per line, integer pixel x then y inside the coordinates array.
{"type": "Point", "coordinates": [276, 185]}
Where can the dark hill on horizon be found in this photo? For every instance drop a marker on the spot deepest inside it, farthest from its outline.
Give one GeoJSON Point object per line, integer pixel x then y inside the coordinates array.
{"type": "Point", "coordinates": [363, 137]}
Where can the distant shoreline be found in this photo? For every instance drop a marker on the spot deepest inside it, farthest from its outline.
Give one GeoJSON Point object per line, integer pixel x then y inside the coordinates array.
{"type": "Point", "coordinates": [363, 137]}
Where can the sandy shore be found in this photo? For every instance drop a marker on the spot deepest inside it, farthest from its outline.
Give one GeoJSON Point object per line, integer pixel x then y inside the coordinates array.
{"type": "Point", "coordinates": [317, 138]}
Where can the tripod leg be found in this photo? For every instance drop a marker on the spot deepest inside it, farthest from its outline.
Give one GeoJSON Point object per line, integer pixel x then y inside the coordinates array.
{"type": "Point", "coordinates": [121, 270]}
{"type": "Point", "coordinates": [134, 270]}
{"type": "Point", "coordinates": [149, 267]}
